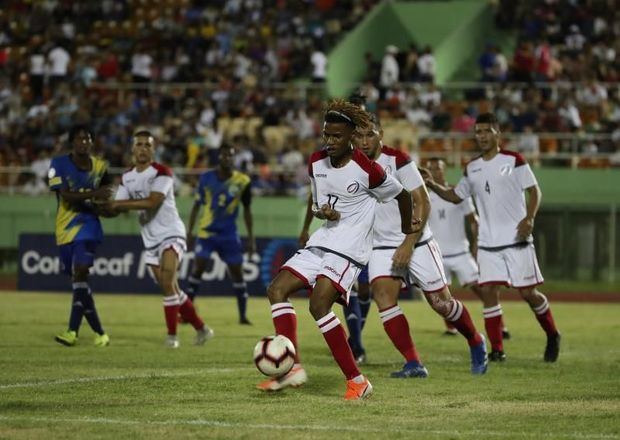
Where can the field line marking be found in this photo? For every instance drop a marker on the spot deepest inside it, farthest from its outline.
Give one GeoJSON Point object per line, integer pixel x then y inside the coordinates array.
{"type": "Point", "coordinates": [219, 424]}
{"type": "Point", "coordinates": [113, 378]}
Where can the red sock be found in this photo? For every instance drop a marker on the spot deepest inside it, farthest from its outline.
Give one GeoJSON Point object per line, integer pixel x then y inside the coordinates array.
{"type": "Point", "coordinates": [188, 312]}
{"type": "Point", "coordinates": [397, 328]}
{"type": "Point", "coordinates": [285, 322]}
{"type": "Point", "coordinates": [171, 311]}
{"type": "Point", "coordinates": [449, 325]}
{"type": "Point", "coordinates": [545, 318]}
{"type": "Point", "coordinates": [336, 339]}
{"type": "Point", "coordinates": [494, 324]}
{"type": "Point", "coordinates": [460, 318]}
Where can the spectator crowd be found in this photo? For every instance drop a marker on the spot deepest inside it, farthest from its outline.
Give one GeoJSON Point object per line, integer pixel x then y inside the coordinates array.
{"type": "Point", "coordinates": [117, 64]}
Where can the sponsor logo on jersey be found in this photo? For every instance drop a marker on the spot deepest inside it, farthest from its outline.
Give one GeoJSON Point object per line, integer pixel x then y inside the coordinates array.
{"type": "Point", "coordinates": [320, 175]}
{"type": "Point", "coordinates": [388, 169]}
{"type": "Point", "coordinates": [353, 187]}
{"type": "Point", "coordinates": [476, 170]}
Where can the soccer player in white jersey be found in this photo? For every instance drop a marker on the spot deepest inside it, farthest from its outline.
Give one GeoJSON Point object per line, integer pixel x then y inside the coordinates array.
{"type": "Point", "coordinates": [497, 180]}
{"type": "Point", "coordinates": [398, 258]}
{"type": "Point", "coordinates": [148, 188]}
{"type": "Point", "coordinates": [345, 186]}
{"type": "Point", "coordinates": [448, 222]}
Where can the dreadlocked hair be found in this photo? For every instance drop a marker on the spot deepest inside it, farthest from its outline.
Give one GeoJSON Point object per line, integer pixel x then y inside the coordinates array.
{"type": "Point", "coordinates": [344, 112]}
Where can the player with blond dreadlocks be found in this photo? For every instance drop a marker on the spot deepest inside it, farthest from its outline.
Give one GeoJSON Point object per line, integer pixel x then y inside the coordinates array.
{"type": "Point", "coordinates": [345, 187]}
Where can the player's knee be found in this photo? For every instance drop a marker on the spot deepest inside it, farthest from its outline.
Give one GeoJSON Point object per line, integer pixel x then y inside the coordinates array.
{"type": "Point", "coordinates": [276, 292]}
{"type": "Point", "coordinates": [319, 307]}
{"type": "Point", "coordinates": [167, 281]}
{"type": "Point", "coordinates": [476, 289]}
{"type": "Point", "coordinates": [80, 273]}
{"type": "Point", "coordinates": [383, 298]}
{"type": "Point", "coordinates": [489, 295]}
{"type": "Point", "coordinates": [439, 303]}
{"type": "Point", "coordinates": [529, 294]}
{"type": "Point", "coordinates": [236, 273]}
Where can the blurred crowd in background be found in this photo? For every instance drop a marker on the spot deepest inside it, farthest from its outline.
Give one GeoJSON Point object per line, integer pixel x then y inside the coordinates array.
{"type": "Point", "coordinates": [253, 73]}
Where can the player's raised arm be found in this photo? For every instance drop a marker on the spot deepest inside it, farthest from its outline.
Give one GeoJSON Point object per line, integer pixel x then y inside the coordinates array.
{"type": "Point", "coordinates": [152, 202]}
{"type": "Point", "coordinates": [57, 184]}
{"type": "Point", "coordinates": [444, 192]}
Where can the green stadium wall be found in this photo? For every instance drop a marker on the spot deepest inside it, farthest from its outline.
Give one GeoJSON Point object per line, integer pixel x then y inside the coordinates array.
{"type": "Point", "coordinates": [283, 216]}
{"type": "Point", "coordinates": [456, 30]}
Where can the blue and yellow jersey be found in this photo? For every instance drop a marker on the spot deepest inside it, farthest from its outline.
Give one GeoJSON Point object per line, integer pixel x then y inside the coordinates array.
{"type": "Point", "coordinates": [220, 200]}
{"type": "Point", "coordinates": [76, 221]}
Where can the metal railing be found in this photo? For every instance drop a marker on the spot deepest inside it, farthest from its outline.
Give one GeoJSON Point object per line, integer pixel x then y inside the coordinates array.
{"type": "Point", "coordinates": [301, 91]}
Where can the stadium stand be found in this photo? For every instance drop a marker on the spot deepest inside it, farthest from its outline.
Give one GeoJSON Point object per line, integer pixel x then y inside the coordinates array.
{"type": "Point", "coordinates": [201, 73]}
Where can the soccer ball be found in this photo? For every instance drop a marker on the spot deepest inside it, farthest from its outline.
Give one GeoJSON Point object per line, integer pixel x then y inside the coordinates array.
{"type": "Point", "coordinates": [274, 355]}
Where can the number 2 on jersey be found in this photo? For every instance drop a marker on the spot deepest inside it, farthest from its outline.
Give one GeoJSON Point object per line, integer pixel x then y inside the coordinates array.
{"type": "Point", "coordinates": [221, 200]}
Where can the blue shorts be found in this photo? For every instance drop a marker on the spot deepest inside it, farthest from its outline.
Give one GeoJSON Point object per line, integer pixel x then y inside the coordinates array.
{"type": "Point", "coordinates": [228, 248]}
{"type": "Point", "coordinates": [78, 253]}
{"type": "Point", "coordinates": [363, 276]}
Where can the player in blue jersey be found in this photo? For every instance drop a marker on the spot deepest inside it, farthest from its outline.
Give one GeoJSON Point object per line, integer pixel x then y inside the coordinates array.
{"type": "Point", "coordinates": [78, 178]}
{"type": "Point", "coordinates": [219, 193]}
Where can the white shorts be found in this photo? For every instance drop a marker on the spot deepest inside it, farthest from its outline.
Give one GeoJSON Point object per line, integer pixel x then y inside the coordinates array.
{"type": "Point", "coordinates": [464, 266]}
{"type": "Point", "coordinates": [425, 268]}
{"type": "Point", "coordinates": [310, 264]}
{"type": "Point", "coordinates": [512, 266]}
{"type": "Point", "coordinates": [152, 256]}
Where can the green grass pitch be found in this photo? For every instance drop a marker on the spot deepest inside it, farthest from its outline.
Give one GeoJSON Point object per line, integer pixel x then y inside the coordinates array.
{"type": "Point", "coordinates": [136, 388]}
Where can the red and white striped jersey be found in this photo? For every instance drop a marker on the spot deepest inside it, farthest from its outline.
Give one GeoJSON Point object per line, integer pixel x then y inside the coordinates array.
{"type": "Point", "coordinates": [353, 191]}
{"type": "Point", "coordinates": [497, 188]}
{"type": "Point", "coordinates": [447, 221]}
{"type": "Point", "coordinates": [387, 232]}
{"type": "Point", "coordinates": [158, 224]}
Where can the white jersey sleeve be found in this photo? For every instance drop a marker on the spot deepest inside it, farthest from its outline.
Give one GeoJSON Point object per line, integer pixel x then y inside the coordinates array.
{"type": "Point", "coordinates": [409, 176]}
{"type": "Point", "coordinates": [162, 184]}
{"type": "Point", "coordinates": [386, 228]}
{"type": "Point", "coordinates": [463, 188]}
{"type": "Point", "coordinates": [525, 176]}
{"type": "Point", "coordinates": [121, 193]}
{"type": "Point", "coordinates": [467, 207]}
{"type": "Point", "coordinates": [387, 190]}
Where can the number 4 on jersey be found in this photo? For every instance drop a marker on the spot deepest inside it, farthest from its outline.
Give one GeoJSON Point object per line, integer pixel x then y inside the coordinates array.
{"type": "Point", "coordinates": [487, 188]}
